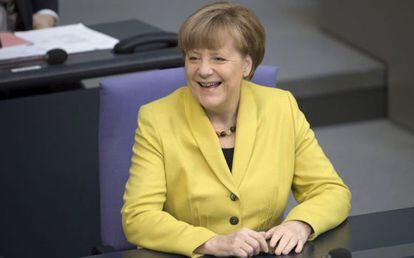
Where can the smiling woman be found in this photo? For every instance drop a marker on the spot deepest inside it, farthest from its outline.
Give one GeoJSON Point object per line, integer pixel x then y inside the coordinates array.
{"type": "Point", "coordinates": [213, 25]}
{"type": "Point", "coordinates": [214, 78]}
{"type": "Point", "coordinates": [213, 163]}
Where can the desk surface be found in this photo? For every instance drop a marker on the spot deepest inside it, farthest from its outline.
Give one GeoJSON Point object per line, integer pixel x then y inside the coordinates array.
{"type": "Point", "coordinates": [96, 63]}
{"type": "Point", "coordinates": [368, 235]}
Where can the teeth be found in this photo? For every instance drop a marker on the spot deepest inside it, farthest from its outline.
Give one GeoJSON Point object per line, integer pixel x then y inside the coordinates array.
{"type": "Point", "coordinates": [209, 84]}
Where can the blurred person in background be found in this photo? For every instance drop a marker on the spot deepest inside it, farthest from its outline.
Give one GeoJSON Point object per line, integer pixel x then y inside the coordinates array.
{"type": "Point", "coordinates": [18, 15]}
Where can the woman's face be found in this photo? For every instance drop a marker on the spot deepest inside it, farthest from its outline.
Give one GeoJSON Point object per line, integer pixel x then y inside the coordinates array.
{"type": "Point", "coordinates": [215, 76]}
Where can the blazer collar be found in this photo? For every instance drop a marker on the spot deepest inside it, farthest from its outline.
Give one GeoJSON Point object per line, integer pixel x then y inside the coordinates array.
{"type": "Point", "coordinates": [245, 133]}
{"type": "Point", "coordinates": [209, 143]}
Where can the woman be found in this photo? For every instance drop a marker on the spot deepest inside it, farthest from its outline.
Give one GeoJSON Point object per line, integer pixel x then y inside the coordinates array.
{"type": "Point", "coordinates": [214, 162]}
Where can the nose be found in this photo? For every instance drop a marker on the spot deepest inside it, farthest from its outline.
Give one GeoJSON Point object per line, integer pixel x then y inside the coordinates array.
{"type": "Point", "coordinates": [205, 69]}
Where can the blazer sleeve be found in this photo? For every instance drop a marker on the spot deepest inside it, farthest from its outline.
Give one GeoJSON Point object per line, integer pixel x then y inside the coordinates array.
{"type": "Point", "coordinates": [323, 198]}
{"type": "Point", "coordinates": [144, 222]}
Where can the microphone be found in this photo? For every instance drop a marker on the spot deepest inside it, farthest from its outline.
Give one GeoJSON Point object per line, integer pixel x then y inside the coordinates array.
{"type": "Point", "coordinates": [52, 57]}
{"type": "Point", "coordinates": [56, 56]}
{"type": "Point", "coordinates": [338, 253]}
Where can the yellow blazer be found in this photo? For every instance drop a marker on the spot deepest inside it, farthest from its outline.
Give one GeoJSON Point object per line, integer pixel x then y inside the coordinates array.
{"type": "Point", "coordinates": [180, 192]}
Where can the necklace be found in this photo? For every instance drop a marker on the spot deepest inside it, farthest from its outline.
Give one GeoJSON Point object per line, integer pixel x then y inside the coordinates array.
{"type": "Point", "coordinates": [227, 132]}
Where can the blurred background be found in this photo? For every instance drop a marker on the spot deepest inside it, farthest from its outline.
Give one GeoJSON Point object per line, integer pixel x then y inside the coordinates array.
{"type": "Point", "coordinates": [347, 62]}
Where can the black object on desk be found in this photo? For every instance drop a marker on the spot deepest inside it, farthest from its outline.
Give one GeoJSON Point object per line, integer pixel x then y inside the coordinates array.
{"type": "Point", "coordinates": [373, 235]}
{"type": "Point", "coordinates": [145, 42]}
{"type": "Point", "coordinates": [96, 63]}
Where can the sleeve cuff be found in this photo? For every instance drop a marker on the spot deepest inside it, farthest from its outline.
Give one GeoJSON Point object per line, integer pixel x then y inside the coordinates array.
{"type": "Point", "coordinates": [49, 12]}
{"type": "Point", "coordinates": [202, 237]}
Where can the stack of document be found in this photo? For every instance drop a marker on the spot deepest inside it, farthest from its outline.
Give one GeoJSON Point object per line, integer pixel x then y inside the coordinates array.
{"type": "Point", "coordinates": [74, 38]}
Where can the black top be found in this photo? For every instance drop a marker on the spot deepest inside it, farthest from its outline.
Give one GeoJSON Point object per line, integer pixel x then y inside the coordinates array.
{"type": "Point", "coordinates": [228, 155]}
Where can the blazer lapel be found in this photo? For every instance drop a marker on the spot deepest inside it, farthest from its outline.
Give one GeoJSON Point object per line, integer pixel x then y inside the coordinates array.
{"type": "Point", "coordinates": [207, 140]}
{"type": "Point", "coordinates": [245, 133]}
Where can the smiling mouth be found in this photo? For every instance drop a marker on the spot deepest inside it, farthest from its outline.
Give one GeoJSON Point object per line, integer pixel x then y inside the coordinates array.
{"type": "Point", "coordinates": [209, 84]}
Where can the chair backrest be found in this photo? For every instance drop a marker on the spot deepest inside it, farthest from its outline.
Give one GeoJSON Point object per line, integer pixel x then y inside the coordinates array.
{"type": "Point", "coordinates": [120, 99]}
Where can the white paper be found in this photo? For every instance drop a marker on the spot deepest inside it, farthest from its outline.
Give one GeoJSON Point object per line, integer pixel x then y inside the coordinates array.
{"type": "Point", "coordinates": [74, 38]}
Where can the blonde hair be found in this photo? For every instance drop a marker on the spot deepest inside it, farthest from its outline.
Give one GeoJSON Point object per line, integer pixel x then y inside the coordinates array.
{"type": "Point", "coordinates": [205, 29]}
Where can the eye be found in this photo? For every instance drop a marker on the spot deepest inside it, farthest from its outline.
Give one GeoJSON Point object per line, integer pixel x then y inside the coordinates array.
{"type": "Point", "coordinates": [219, 59]}
{"type": "Point", "coordinates": [193, 58]}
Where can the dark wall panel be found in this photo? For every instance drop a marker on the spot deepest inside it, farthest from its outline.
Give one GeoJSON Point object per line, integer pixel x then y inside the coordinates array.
{"type": "Point", "coordinates": [49, 175]}
{"type": "Point", "coordinates": [384, 29]}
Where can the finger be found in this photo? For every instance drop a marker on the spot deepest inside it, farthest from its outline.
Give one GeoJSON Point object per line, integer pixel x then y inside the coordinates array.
{"type": "Point", "coordinates": [239, 252]}
{"type": "Point", "coordinates": [259, 236]}
{"type": "Point", "coordinates": [282, 244]}
{"type": "Point", "coordinates": [247, 249]}
{"type": "Point", "coordinates": [291, 244]}
{"type": "Point", "coordinates": [270, 232]}
{"type": "Point", "coordinates": [299, 246]}
{"type": "Point", "coordinates": [275, 238]}
{"type": "Point", "coordinates": [263, 245]}
{"type": "Point", "coordinates": [252, 242]}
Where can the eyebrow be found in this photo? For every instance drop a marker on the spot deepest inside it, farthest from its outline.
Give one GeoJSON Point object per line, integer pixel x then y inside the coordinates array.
{"type": "Point", "coordinates": [213, 52]}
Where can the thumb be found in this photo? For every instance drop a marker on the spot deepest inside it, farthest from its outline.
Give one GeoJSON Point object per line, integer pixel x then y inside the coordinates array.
{"type": "Point", "coordinates": [269, 233]}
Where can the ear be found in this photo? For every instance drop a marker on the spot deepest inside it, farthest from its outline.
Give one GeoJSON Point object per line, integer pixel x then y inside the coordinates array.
{"type": "Point", "coordinates": [247, 66]}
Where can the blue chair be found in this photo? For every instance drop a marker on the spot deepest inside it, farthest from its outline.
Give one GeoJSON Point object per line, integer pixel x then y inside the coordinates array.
{"type": "Point", "coordinates": [120, 99]}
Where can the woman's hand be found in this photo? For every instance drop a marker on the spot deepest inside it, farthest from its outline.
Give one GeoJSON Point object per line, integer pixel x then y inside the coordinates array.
{"type": "Point", "coordinates": [242, 243]}
{"type": "Point", "coordinates": [288, 235]}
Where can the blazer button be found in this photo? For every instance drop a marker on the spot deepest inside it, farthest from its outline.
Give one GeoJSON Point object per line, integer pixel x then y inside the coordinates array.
{"type": "Point", "coordinates": [234, 220]}
{"type": "Point", "coordinates": [233, 197]}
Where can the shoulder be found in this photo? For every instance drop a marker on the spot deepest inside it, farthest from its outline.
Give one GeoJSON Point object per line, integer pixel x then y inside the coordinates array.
{"type": "Point", "coordinates": [166, 106]}
{"type": "Point", "coordinates": [271, 98]}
